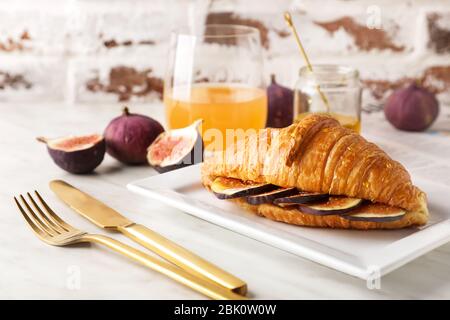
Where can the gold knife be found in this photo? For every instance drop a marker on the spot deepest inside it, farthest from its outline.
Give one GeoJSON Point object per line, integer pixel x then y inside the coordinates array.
{"type": "Point", "coordinates": [105, 217]}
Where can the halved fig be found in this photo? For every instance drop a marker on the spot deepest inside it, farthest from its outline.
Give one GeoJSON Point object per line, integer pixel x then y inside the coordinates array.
{"type": "Point", "coordinates": [334, 205]}
{"type": "Point", "coordinates": [176, 148]}
{"type": "Point", "coordinates": [375, 212]}
{"type": "Point", "coordinates": [229, 188]}
{"type": "Point", "coordinates": [76, 154]}
{"type": "Point", "coordinates": [300, 198]}
{"type": "Point", "coordinates": [269, 197]}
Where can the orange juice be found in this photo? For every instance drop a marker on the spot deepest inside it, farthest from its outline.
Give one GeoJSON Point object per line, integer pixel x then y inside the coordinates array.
{"type": "Point", "coordinates": [220, 106]}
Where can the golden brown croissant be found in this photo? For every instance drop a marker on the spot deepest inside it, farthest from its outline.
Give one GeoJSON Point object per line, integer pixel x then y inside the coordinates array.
{"type": "Point", "coordinates": [317, 154]}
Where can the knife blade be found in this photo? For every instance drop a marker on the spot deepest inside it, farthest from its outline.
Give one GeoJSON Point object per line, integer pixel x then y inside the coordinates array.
{"type": "Point", "coordinates": [90, 208]}
{"type": "Point", "coordinates": [105, 217]}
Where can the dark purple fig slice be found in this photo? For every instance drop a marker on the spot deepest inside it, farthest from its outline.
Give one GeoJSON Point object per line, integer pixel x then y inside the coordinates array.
{"type": "Point", "coordinates": [269, 197]}
{"type": "Point", "coordinates": [300, 198]}
{"type": "Point", "coordinates": [229, 188]}
{"type": "Point", "coordinates": [176, 148]}
{"type": "Point", "coordinates": [334, 205]}
{"type": "Point", "coordinates": [375, 212]}
{"type": "Point", "coordinates": [76, 154]}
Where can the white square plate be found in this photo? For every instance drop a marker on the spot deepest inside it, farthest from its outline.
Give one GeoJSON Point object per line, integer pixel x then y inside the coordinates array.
{"type": "Point", "coordinates": [363, 254]}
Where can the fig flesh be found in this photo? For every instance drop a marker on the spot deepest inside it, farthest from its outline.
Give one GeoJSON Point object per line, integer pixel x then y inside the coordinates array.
{"type": "Point", "coordinates": [280, 101]}
{"type": "Point", "coordinates": [76, 154]}
{"type": "Point", "coordinates": [269, 197]}
{"type": "Point", "coordinates": [129, 135]}
{"type": "Point", "coordinates": [176, 148]}
{"type": "Point", "coordinates": [334, 205]}
{"type": "Point", "coordinates": [375, 212]}
{"type": "Point", "coordinates": [229, 188]}
{"type": "Point", "coordinates": [300, 198]}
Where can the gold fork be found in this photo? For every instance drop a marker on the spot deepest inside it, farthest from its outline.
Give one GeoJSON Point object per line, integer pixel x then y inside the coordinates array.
{"type": "Point", "coordinates": [51, 229]}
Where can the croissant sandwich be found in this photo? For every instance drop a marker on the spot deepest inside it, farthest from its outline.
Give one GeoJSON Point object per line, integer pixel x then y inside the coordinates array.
{"type": "Point", "coordinates": [316, 173]}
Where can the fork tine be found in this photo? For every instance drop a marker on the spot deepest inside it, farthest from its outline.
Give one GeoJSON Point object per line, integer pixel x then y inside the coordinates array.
{"type": "Point", "coordinates": [30, 221]}
{"type": "Point", "coordinates": [49, 220]}
{"type": "Point", "coordinates": [51, 213]}
{"type": "Point", "coordinates": [38, 220]}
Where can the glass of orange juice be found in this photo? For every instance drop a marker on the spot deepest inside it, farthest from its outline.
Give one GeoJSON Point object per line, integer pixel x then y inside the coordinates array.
{"type": "Point", "coordinates": [216, 74]}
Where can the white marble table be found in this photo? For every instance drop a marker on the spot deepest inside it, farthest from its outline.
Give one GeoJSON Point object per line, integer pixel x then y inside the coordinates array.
{"type": "Point", "coordinates": [31, 269]}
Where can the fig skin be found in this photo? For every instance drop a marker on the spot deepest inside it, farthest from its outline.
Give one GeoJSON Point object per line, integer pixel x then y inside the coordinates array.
{"type": "Point", "coordinates": [221, 185]}
{"type": "Point", "coordinates": [374, 212]}
{"type": "Point", "coordinates": [280, 102]}
{"type": "Point", "coordinates": [269, 197]}
{"type": "Point", "coordinates": [302, 198]}
{"type": "Point", "coordinates": [337, 208]}
{"type": "Point", "coordinates": [412, 108]}
{"type": "Point", "coordinates": [129, 135]}
{"type": "Point", "coordinates": [80, 161]}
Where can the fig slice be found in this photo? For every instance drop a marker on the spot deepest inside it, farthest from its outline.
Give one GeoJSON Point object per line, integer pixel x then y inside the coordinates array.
{"type": "Point", "coordinates": [176, 148]}
{"type": "Point", "coordinates": [375, 212]}
{"type": "Point", "coordinates": [269, 197]}
{"type": "Point", "coordinates": [76, 154]}
{"type": "Point", "coordinates": [334, 205]}
{"type": "Point", "coordinates": [229, 188]}
{"type": "Point", "coordinates": [300, 198]}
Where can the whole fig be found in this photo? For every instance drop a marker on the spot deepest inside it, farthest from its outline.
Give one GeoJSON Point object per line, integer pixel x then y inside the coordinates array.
{"type": "Point", "coordinates": [412, 108]}
{"type": "Point", "coordinates": [129, 135]}
{"type": "Point", "coordinates": [280, 105]}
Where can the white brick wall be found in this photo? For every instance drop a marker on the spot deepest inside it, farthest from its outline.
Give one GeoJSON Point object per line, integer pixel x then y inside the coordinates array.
{"type": "Point", "coordinates": [67, 49]}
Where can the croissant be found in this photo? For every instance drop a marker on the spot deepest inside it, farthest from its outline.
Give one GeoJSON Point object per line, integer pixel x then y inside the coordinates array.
{"type": "Point", "coordinates": [318, 155]}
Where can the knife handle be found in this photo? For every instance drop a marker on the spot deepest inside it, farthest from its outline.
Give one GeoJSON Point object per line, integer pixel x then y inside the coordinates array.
{"type": "Point", "coordinates": [183, 258]}
{"type": "Point", "coordinates": [203, 286]}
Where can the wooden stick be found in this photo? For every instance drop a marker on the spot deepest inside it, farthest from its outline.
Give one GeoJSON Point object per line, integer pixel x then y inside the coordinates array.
{"type": "Point", "coordinates": [288, 18]}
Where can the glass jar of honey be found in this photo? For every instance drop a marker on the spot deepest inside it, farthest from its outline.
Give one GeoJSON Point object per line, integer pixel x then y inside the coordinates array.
{"type": "Point", "coordinates": [331, 89]}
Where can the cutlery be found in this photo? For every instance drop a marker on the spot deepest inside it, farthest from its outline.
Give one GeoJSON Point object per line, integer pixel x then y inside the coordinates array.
{"type": "Point", "coordinates": [106, 217]}
{"type": "Point", "coordinates": [51, 229]}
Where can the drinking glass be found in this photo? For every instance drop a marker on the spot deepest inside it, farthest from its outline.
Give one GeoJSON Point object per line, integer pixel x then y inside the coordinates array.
{"type": "Point", "coordinates": [216, 74]}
